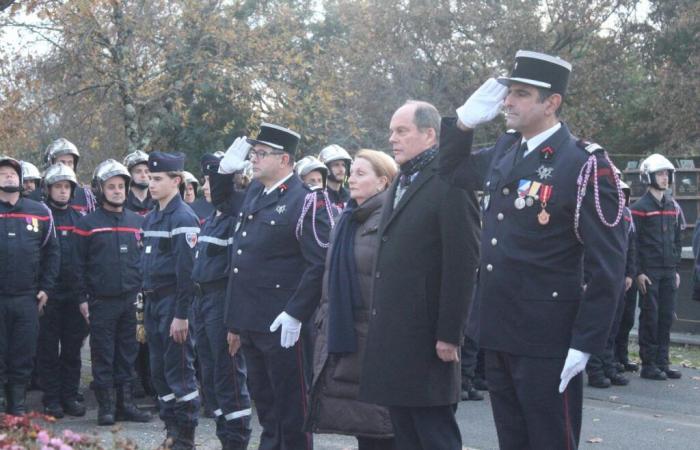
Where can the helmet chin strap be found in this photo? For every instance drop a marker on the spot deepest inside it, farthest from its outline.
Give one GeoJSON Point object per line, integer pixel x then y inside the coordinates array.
{"type": "Point", "coordinates": [58, 204]}
{"type": "Point", "coordinates": [113, 204]}
{"type": "Point", "coordinates": [141, 186]}
{"type": "Point", "coordinates": [11, 189]}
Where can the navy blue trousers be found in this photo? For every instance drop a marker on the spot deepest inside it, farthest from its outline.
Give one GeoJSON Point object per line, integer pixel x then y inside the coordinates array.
{"type": "Point", "coordinates": [223, 377]}
{"type": "Point", "coordinates": [172, 365]}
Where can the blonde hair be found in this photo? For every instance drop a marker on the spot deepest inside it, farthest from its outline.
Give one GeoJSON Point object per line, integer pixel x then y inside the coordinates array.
{"type": "Point", "coordinates": [382, 164]}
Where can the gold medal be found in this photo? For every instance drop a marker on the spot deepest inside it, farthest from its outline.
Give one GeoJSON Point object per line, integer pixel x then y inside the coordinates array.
{"type": "Point", "coordinates": [543, 217]}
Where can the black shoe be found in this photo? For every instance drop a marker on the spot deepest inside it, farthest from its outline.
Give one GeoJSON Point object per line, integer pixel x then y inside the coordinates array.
{"type": "Point", "coordinates": [469, 392]}
{"type": "Point", "coordinates": [599, 381]}
{"type": "Point", "coordinates": [74, 408]}
{"type": "Point", "coordinates": [630, 366]}
{"type": "Point", "coordinates": [673, 374]}
{"type": "Point", "coordinates": [80, 397]}
{"type": "Point", "coordinates": [126, 409]}
{"type": "Point", "coordinates": [170, 435]}
{"type": "Point", "coordinates": [54, 409]}
{"type": "Point", "coordinates": [16, 397]}
{"type": "Point", "coordinates": [105, 407]}
{"type": "Point", "coordinates": [653, 373]}
{"type": "Point", "coordinates": [184, 439]}
{"type": "Point", "coordinates": [480, 384]}
{"type": "Point", "coordinates": [619, 380]}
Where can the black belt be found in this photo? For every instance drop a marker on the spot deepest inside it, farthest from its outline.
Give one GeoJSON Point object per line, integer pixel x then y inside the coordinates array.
{"type": "Point", "coordinates": [202, 289]}
{"type": "Point", "coordinates": [159, 294]}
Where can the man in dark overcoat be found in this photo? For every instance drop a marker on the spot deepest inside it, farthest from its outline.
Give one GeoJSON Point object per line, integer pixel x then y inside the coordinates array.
{"type": "Point", "coordinates": [423, 279]}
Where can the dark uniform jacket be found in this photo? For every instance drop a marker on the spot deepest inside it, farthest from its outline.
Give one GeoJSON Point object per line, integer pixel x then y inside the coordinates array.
{"type": "Point", "coordinates": [658, 233]}
{"type": "Point", "coordinates": [202, 208]}
{"type": "Point", "coordinates": [108, 247]}
{"type": "Point", "coordinates": [140, 207]}
{"type": "Point", "coordinates": [212, 252]}
{"type": "Point", "coordinates": [339, 198]}
{"type": "Point", "coordinates": [529, 299]}
{"type": "Point", "coordinates": [30, 256]}
{"type": "Point", "coordinates": [64, 221]}
{"type": "Point", "coordinates": [423, 281]}
{"type": "Point", "coordinates": [271, 270]}
{"type": "Point", "coordinates": [170, 236]}
{"type": "Point", "coordinates": [83, 201]}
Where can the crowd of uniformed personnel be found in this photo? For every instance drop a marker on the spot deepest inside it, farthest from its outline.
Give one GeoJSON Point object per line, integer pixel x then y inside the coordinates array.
{"type": "Point", "coordinates": [216, 301]}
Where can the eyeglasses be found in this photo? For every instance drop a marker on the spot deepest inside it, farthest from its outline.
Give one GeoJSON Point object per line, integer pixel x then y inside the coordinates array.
{"type": "Point", "coordinates": [261, 154]}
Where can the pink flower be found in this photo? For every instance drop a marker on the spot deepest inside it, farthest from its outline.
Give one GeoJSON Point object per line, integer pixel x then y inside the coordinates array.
{"type": "Point", "coordinates": [43, 437]}
{"type": "Point", "coordinates": [56, 442]}
{"type": "Point", "coordinates": [70, 436]}
{"type": "Point", "coordinates": [65, 447]}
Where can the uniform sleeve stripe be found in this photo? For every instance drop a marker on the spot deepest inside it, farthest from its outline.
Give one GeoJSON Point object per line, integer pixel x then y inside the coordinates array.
{"type": "Point", "coordinates": [169, 234]}
{"type": "Point", "coordinates": [216, 241]}
{"type": "Point", "coordinates": [65, 228]}
{"type": "Point", "coordinates": [23, 216]}
{"type": "Point", "coordinates": [106, 230]}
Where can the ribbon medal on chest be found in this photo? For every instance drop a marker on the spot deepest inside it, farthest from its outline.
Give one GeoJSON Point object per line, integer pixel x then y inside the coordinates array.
{"type": "Point", "coordinates": [523, 189]}
{"type": "Point", "coordinates": [545, 195]}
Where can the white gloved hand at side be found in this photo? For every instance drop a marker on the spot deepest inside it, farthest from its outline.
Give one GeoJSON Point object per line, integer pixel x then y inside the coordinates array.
{"type": "Point", "coordinates": [575, 363]}
{"type": "Point", "coordinates": [291, 329]}
{"type": "Point", "coordinates": [483, 105]}
{"type": "Point", "coordinates": [235, 158]}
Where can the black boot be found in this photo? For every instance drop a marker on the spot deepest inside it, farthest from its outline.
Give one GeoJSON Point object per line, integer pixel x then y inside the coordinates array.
{"type": "Point", "coordinates": [671, 373]}
{"type": "Point", "coordinates": [54, 409]}
{"type": "Point", "coordinates": [469, 392]}
{"type": "Point", "coordinates": [618, 379]}
{"type": "Point", "coordinates": [73, 407]}
{"type": "Point", "coordinates": [630, 366]}
{"type": "Point", "coordinates": [170, 435]}
{"type": "Point", "coordinates": [652, 373]}
{"type": "Point", "coordinates": [16, 397]}
{"type": "Point", "coordinates": [185, 438]}
{"type": "Point", "coordinates": [480, 384]}
{"type": "Point", "coordinates": [126, 409]}
{"type": "Point", "coordinates": [105, 407]}
{"type": "Point", "coordinates": [598, 380]}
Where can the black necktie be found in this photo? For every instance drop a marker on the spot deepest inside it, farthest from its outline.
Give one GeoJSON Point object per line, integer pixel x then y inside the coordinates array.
{"type": "Point", "coordinates": [521, 152]}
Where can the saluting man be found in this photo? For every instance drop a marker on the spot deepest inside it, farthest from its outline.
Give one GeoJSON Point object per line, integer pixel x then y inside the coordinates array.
{"type": "Point", "coordinates": [275, 283]}
{"type": "Point", "coordinates": [170, 235]}
{"type": "Point", "coordinates": [552, 211]}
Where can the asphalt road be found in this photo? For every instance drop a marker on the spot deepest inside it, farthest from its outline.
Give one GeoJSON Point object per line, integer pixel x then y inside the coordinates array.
{"type": "Point", "coordinates": [643, 415]}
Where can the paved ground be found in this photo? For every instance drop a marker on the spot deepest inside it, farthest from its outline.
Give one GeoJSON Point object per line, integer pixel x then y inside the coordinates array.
{"type": "Point", "coordinates": [644, 415]}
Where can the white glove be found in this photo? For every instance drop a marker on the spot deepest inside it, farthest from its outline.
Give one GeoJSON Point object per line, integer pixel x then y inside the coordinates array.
{"type": "Point", "coordinates": [483, 105]}
{"type": "Point", "coordinates": [291, 328]}
{"type": "Point", "coordinates": [574, 364]}
{"type": "Point", "coordinates": [234, 159]}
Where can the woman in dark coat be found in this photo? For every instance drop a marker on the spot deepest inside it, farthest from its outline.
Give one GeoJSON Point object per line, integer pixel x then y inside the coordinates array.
{"type": "Point", "coordinates": [343, 317]}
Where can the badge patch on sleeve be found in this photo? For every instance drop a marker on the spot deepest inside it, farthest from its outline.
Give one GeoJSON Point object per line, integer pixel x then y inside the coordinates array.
{"type": "Point", "coordinates": [191, 239]}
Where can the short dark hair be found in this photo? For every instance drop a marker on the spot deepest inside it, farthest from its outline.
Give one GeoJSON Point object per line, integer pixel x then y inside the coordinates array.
{"type": "Point", "coordinates": [426, 116]}
{"type": "Point", "coordinates": [545, 93]}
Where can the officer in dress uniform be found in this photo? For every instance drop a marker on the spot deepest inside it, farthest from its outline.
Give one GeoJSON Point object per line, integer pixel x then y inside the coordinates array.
{"type": "Point", "coordinates": [62, 328]}
{"type": "Point", "coordinates": [275, 283]}
{"type": "Point", "coordinates": [170, 235]}
{"type": "Point", "coordinates": [63, 151]}
{"type": "Point", "coordinates": [223, 377]}
{"type": "Point", "coordinates": [108, 247]}
{"type": "Point", "coordinates": [658, 225]}
{"type": "Point", "coordinates": [338, 162]}
{"type": "Point", "coordinates": [29, 265]}
{"type": "Point", "coordinates": [550, 203]}
{"type": "Point", "coordinates": [139, 199]}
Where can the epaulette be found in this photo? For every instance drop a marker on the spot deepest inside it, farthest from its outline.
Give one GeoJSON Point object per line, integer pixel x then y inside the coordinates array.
{"type": "Point", "coordinates": [590, 147]}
